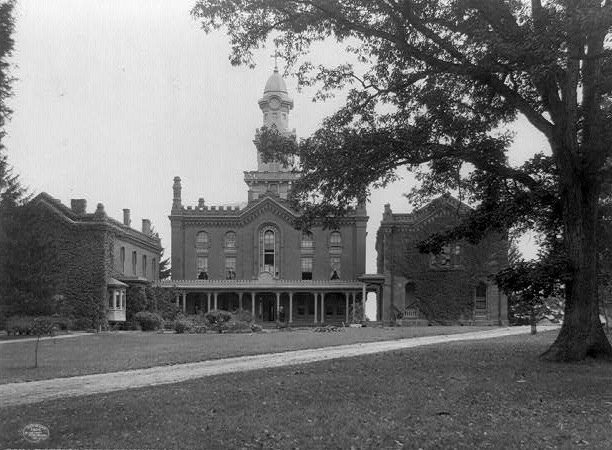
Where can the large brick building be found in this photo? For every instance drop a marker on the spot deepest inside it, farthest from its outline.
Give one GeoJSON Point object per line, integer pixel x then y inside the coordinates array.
{"type": "Point", "coordinates": [455, 286]}
{"type": "Point", "coordinates": [95, 256]}
{"type": "Point", "coordinates": [253, 257]}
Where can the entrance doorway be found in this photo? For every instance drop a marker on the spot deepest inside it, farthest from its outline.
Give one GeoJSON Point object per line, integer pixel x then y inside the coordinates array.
{"type": "Point", "coordinates": [268, 307]}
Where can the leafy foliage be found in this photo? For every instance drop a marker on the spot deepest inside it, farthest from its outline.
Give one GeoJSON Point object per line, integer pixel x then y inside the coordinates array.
{"type": "Point", "coordinates": [432, 84]}
{"type": "Point", "coordinates": [149, 321]}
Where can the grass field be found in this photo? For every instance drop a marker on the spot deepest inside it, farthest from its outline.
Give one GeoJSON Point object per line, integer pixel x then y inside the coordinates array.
{"type": "Point", "coordinates": [108, 352]}
{"type": "Point", "coordinates": [491, 394]}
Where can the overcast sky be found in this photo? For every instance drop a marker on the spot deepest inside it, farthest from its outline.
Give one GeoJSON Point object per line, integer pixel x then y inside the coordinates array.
{"type": "Point", "coordinates": [114, 98]}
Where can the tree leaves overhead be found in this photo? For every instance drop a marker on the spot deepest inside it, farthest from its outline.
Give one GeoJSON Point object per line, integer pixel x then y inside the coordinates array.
{"type": "Point", "coordinates": [430, 84]}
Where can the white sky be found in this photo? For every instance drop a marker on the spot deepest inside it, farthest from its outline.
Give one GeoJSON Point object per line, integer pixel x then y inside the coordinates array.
{"type": "Point", "coordinates": [114, 98]}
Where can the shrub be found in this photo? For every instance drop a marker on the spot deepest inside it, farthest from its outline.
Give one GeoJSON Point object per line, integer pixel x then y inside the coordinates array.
{"type": "Point", "coordinates": [256, 328]}
{"type": "Point", "coordinates": [183, 325]}
{"type": "Point", "coordinates": [243, 315]}
{"type": "Point", "coordinates": [82, 323]}
{"type": "Point", "coordinates": [218, 316]}
{"type": "Point", "coordinates": [19, 325]}
{"type": "Point", "coordinates": [148, 321]}
{"type": "Point", "coordinates": [62, 323]}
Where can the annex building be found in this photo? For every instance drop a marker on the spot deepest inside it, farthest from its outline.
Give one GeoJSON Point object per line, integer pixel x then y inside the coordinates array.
{"type": "Point", "coordinates": [95, 257]}
{"type": "Point", "coordinates": [455, 286]}
{"type": "Point", "coordinates": [254, 258]}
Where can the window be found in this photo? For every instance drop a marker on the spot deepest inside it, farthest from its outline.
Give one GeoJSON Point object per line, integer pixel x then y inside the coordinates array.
{"type": "Point", "coordinates": [111, 297]}
{"type": "Point", "coordinates": [456, 256]}
{"type": "Point", "coordinates": [335, 239]}
{"type": "Point", "coordinates": [230, 239]}
{"type": "Point", "coordinates": [202, 239]}
{"type": "Point", "coordinates": [444, 256]}
{"type": "Point", "coordinates": [122, 253]}
{"type": "Point", "coordinates": [301, 308]}
{"type": "Point", "coordinates": [202, 267]}
{"type": "Point", "coordinates": [307, 240]}
{"type": "Point", "coordinates": [269, 253]}
{"type": "Point", "coordinates": [306, 268]}
{"type": "Point", "coordinates": [449, 256]}
{"type": "Point", "coordinates": [480, 301]}
{"type": "Point", "coordinates": [154, 268]}
{"type": "Point", "coordinates": [334, 262]}
{"type": "Point", "coordinates": [144, 266]}
{"type": "Point", "coordinates": [134, 262]}
{"type": "Point", "coordinates": [230, 267]}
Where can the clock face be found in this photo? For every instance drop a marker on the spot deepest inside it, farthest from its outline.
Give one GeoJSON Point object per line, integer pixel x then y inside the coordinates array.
{"type": "Point", "coordinates": [274, 103]}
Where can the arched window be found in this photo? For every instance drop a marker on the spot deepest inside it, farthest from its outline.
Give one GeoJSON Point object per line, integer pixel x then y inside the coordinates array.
{"type": "Point", "coordinates": [134, 262]}
{"type": "Point", "coordinates": [230, 239]}
{"type": "Point", "coordinates": [202, 239]}
{"type": "Point", "coordinates": [269, 253]}
{"type": "Point", "coordinates": [335, 239]}
{"type": "Point", "coordinates": [307, 239]}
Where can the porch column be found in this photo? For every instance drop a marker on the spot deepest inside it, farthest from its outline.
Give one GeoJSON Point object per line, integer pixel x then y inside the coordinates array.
{"type": "Point", "coordinates": [365, 297]}
{"type": "Point", "coordinates": [323, 307]}
{"type": "Point", "coordinates": [184, 301]}
{"type": "Point", "coordinates": [215, 299]}
{"type": "Point", "coordinates": [241, 300]}
{"type": "Point", "coordinates": [346, 297]}
{"type": "Point", "coordinates": [177, 300]}
{"type": "Point", "coordinates": [290, 307]}
{"type": "Point", "coordinates": [207, 301]}
{"type": "Point", "coordinates": [253, 305]}
{"type": "Point", "coordinates": [316, 300]}
{"type": "Point", "coordinates": [277, 306]}
{"type": "Point", "coordinates": [354, 295]}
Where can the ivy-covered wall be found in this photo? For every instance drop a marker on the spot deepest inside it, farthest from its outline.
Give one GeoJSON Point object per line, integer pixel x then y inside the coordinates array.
{"type": "Point", "coordinates": [442, 286]}
{"type": "Point", "coordinates": [81, 263]}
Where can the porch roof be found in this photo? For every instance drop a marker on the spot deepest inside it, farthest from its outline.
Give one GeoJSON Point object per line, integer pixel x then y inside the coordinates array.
{"type": "Point", "coordinates": [260, 285]}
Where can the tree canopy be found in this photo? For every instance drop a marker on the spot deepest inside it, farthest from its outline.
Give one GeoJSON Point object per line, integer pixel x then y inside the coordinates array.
{"type": "Point", "coordinates": [435, 83]}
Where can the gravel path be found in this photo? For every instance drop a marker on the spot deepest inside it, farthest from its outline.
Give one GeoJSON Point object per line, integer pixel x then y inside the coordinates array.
{"type": "Point", "coordinates": [37, 391]}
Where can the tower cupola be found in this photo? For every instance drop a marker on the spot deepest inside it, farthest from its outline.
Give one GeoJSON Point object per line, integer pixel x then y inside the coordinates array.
{"type": "Point", "coordinates": [276, 103]}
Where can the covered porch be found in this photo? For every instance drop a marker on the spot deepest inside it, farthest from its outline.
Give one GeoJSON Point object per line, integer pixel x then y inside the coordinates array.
{"type": "Point", "coordinates": [300, 302]}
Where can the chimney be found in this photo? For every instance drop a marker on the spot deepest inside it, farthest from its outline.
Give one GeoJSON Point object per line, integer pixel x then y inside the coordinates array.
{"type": "Point", "coordinates": [78, 205]}
{"type": "Point", "coordinates": [100, 214]}
{"type": "Point", "coordinates": [176, 190]}
{"type": "Point", "coordinates": [146, 227]}
{"type": "Point", "coordinates": [127, 221]}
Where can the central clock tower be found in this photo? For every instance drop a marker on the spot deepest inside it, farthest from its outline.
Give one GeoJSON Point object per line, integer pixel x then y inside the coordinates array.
{"type": "Point", "coordinates": [272, 177]}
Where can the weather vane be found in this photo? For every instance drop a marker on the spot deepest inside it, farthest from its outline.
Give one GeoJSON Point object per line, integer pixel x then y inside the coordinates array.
{"type": "Point", "coordinates": [275, 56]}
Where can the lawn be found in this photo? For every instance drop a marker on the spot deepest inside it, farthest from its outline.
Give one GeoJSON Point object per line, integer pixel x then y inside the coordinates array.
{"type": "Point", "coordinates": [491, 394]}
{"type": "Point", "coordinates": [107, 352]}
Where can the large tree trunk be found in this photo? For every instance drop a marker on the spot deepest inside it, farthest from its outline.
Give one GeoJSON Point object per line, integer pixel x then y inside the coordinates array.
{"type": "Point", "coordinates": [582, 333]}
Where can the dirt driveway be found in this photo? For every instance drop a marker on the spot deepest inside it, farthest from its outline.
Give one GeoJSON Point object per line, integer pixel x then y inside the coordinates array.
{"type": "Point", "coordinates": [38, 391]}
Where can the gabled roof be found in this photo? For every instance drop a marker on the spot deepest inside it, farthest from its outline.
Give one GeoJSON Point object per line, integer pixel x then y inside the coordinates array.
{"type": "Point", "coordinates": [92, 219]}
{"type": "Point", "coordinates": [444, 205]}
{"type": "Point", "coordinates": [267, 203]}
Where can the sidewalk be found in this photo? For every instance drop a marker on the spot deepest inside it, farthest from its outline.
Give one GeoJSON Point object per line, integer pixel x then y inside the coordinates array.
{"type": "Point", "coordinates": [37, 391]}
